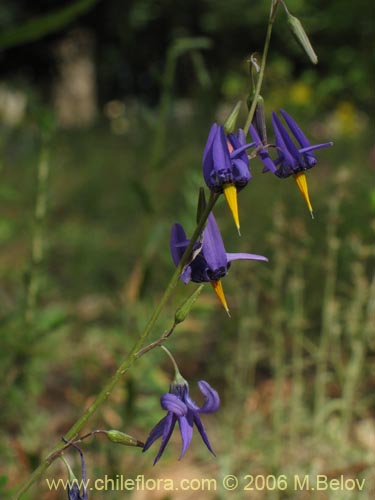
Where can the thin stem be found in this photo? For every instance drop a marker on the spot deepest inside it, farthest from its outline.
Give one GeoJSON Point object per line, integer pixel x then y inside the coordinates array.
{"type": "Point", "coordinates": [128, 361]}
{"type": "Point", "coordinates": [38, 239]}
{"type": "Point", "coordinates": [271, 20]}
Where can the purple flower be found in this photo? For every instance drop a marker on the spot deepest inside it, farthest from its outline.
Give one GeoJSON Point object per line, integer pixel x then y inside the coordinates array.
{"type": "Point", "coordinates": [182, 409]}
{"type": "Point", "coordinates": [211, 261]}
{"type": "Point", "coordinates": [226, 165]}
{"type": "Point", "coordinates": [292, 159]}
{"type": "Point", "coordinates": [73, 485]}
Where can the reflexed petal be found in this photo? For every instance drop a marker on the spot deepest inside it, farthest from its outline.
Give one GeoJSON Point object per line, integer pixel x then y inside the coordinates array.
{"type": "Point", "coordinates": [287, 148]}
{"type": "Point", "coordinates": [220, 153]}
{"type": "Point", "coordinates": [202, 432]}
{"type": "Point", "coordinates": [178, 243]}
{"type": "Point", "coordinates": [213, 246]}
{"type": "Point", "coordinates": [168, 429]}
{"type": "Point", "coordinates": [207, 155]}
{"type": "Point", "coordinates": [263, 155]}
{"type": "Point", "coordinates": [155, 433]}
{"type": "Point", "coordinates": [186, 430]}
{"type": "Point", "coordinates": [212, 399]}
{"type": "Point", "coordinates": [245, 256]}
{"type": "Point", "coordinates": [240, 135]}
{"type": "Point", "coordinates": [241, 149]}
{"type": "Point", "coordinates": [170, 402]}
{"type": "Point", "coordinates": [296, 131]}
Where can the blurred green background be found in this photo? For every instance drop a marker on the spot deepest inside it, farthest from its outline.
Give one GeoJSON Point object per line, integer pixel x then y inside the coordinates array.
{"type": "Point", "coordinates": [105, 107]}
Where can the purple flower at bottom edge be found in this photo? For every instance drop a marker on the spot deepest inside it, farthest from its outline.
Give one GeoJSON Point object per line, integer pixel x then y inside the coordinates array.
{"type": "Point", "coordinates": [73, 486]}
{"type": "Point", "coordinates": [182, 409]}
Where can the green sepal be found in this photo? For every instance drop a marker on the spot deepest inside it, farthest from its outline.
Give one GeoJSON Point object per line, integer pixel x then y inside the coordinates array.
{"type": "Point", "coordinates": [184, 309]}
{"type": "Point", "coordinates": [231, 120]}
{"type": "Point", "coordinates": [72, 477]}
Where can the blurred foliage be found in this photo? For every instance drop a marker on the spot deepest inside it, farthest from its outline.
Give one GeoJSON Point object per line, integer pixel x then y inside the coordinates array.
{"type": "Point", "coordinates": [132, 39]}
{"type": "Point", "coordinates": [111, 204]}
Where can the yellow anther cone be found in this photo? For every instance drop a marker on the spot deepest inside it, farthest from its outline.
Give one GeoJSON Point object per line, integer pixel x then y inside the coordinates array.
{"type": "Point", "coordinates": [230, 192]}
{"type": "Point", "coordinates": [218, 287]}
{"type": "Point", "coordinates": [301, 182]}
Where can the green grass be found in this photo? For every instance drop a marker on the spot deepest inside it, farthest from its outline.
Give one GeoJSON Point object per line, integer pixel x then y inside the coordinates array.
{"type": "Point", "coordinates": [294, 363]}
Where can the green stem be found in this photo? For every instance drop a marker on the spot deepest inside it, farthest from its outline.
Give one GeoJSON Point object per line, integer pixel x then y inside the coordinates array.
{"type": "Point", "coordinates": [127, 362]}
{"type": "Point", "coordinates": [38, 240]}
{"type": "Point", "coordinates": [271, 20]}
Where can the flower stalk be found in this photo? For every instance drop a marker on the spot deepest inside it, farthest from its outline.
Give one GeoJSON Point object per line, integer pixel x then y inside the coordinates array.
{"type": "Point", "coordinates": [126, 363]}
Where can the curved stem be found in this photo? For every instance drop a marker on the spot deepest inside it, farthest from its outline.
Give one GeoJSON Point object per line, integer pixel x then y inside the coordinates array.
{"type": "Point", "coordinates": [127, 362]}
{"type": "Point", "coordinates": [250, 116]}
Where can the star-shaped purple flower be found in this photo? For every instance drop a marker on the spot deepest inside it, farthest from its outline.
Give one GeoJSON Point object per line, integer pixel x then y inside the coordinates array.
{"type": "Point", "coordinates": [226, 165]}
{"type": "Point", "coordinates": [182, 409]}
{"type": "Point", "coordinates": [211, 261]}
{"type": "Point", "coordinates": [292, 159]}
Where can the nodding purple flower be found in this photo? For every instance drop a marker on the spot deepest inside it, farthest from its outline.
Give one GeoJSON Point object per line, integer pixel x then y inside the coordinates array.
{"type": "Point", "coordinates": [226, 165]}
{"type": "Point", "coordinates": [211, 261]}
{"type": "Point", "coordinates": [182, 409]}
{"type": "Point", "coordinates": [290, 158]}
{"type": "Point", "coordinates": [294, 155]}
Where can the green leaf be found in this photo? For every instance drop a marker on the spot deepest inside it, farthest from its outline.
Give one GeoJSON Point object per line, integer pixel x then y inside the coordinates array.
{"type": "Point", "coordinates": [43, 25]}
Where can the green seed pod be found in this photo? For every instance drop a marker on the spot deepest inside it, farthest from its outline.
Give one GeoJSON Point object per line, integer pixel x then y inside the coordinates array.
{"type": "Point", "coordinates": [122, 438]}
{"type": "Point", "coordinates": [301, 36]}
{"type": "Point", "coordinates": [184, 309]}
{"type": "Point", "coordinates": [230, 122]}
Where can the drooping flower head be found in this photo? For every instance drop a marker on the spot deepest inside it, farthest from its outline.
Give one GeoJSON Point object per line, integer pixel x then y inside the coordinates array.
{"type": "Point", "coordinates": [73, 486]}
{"type": "Point", "coordinates": [226, 165]}
{"type": "Point", "coordinates": [292, 159]}
{"type": "Point", "coordinates": [211, 261]}
{"type": "Point", "coordinates": [182, 409]}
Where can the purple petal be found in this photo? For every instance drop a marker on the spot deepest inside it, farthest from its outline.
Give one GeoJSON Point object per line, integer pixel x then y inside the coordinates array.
{"type": "Point", "coordinates": [171, 420]}
{"type": "Point", "coordinates": [186, 275]}
{"type": "Point", "coordinates": [264, 156]}
{"type": "Point", "coordinates": [213, 246]}
{"type": "Point", "coordinates": [170, 402]}
{"type": "Point", "coordinates": [316, 146]}
{"type": "Point", "coordinates": [241, 173]}
{"type": "Point", "coordinates": [207, 155]}
{"type": "Point", "coordinates": [178, 243]}
{"type": "Point", "coordinates": [240, 135]}
{"type": "Point", "coordinates": [297, 132]}
{"type": "Point", "coordinates": [155, 433]}
{"type": "Point", "coordinates": [220, 152]}
{"type": "Point", "coordinates": [284, 143]}
{"type": "Point", "coordinates": [202, 432]}
{"type": "Point", "coordinates": [245, 256]}
{"type": "Point", "coordinates": [186, 430]}
{"type": "Point", "coordinates": [212, 400]}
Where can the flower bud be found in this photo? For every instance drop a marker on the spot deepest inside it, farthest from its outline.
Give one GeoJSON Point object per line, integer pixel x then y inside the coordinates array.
{"type": "Point", "coordinates": [184, 309]}
{"type": "Point", "coordinates": [301, 36]}
{"type": "Point", "coordinates": [230, 122]}
{"type": "Point", "coordinates": [122, 438]}
{"type": "Point", "coordinates": [259, 119]}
